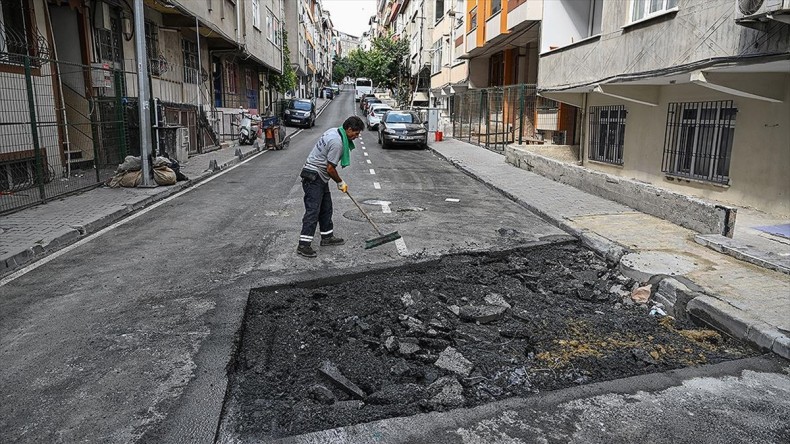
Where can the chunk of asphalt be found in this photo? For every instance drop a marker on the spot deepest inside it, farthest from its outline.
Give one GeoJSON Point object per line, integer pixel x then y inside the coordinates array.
{"type": "Point", "coordinates": [407, 348]}
{"type": "Point", "coordinates": [482, 313]}
{"type": "Point", "coordinates": [496, 299]}
{"type": "Point", "coordinates": [322, 394]}
{"type": "Point", "coordinates": [331, 371]}
{"type": "Point", "coordinates": [451, 360]}
{"type": "Point", "coordinates": [447, 392]}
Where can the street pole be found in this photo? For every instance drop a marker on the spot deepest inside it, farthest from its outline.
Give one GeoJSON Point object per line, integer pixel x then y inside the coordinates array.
{"type": "Point", "coordinates": [144, 94]}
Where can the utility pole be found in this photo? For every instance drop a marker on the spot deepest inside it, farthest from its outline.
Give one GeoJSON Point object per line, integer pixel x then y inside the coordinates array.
{"type": "Point", "coordinates": [144, 100]}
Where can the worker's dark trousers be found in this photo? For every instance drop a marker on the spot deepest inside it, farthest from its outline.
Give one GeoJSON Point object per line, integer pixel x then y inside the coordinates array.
{"type": "Point", "coordinates": [317, 210]}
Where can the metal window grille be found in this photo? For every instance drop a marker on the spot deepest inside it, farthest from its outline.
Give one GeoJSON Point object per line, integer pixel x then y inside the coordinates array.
{"type": "Point", "coordinates": [152, 48]}
{"type": "Point", "coordinates": [607, 134]}
{"type": "Point", "coordinates": [698, 140]}
{"type": "Point", "coordinates": [190, 61]}
{"type": "Point", "coordinates": [109, 43]}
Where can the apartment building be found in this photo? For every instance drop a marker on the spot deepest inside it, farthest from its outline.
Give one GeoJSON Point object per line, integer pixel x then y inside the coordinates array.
{"type": "Point", "coordinates": [71, 67]}
{"type": "Point", "coordinates": [689, 96]}
{"type": "Point", "coordinates": [449, 72]}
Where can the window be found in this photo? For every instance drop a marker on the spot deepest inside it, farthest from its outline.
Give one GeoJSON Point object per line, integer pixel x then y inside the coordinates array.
{"type": "Point", "coordinates": [473, 18]}
{"type": "Point", "coordinates": [642, 9]}
{"type": "Point", "coordinates": [277, 33]}
{"type": "Point", "coordinates": [698, 140]}
{"type": "Point", "coordinates": [191, 69]}
{"type": "Point", "coordinates": [231, 75]}
{"type": "Point", "coordinates": [109, 42]}
{"type": "Point", "coordinates": [436, 57]}
{"type": "Point", "coordinates": [256, 14]}
{"type": "Point", "coordinates": [152, 48]}
{"type": "Point", "coordinates": [269, 26]}
{"type": "Point", "coordinates": [496, 6]}
{"type": "Point", "coordinates": [439, 11]}
{"type": "Point", "coordinates": [16, 33]}
{"type": "Point", "coordinates": [607, 134]}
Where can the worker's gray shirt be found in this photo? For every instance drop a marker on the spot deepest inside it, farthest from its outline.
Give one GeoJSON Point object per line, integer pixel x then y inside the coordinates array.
{"type": "Point", "coordinates": [327, 150]}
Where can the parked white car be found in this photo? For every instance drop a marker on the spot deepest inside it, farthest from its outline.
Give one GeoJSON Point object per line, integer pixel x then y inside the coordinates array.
{"type": "Point", "coordinates": [375, 112]}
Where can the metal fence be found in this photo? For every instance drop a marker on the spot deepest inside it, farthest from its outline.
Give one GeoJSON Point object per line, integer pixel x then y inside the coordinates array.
{"type": "Point", "coordinates": [63, 128]}
{"type": "Point", "coordinates": [496, 117]}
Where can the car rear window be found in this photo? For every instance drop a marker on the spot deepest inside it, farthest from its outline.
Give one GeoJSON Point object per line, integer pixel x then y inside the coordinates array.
{"type": "Point", "coordinates": [380, 111]}
{"type": "Point", "coordinates": [400, 118]}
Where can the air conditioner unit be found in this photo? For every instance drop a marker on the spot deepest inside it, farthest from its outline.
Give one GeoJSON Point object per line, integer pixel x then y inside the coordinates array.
{"type": "Point", "coordinates": [757, 13]}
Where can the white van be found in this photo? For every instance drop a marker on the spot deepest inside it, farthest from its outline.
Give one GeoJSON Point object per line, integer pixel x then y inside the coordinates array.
{"type": "Point", "coordinates": [362, 86]}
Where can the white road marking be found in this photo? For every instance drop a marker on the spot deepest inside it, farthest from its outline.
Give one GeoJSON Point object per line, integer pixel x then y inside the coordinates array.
{"type": "Point", "coordinates": [372, 171]}
{"type": "Point", "coordinates": [369, 161]}
{"type": "Point", "coordinates": [401, 245]}
{"type": "Point", "coordinates": [59, 253]}
{"type": "Point", "coordinates": [450, 199]}
{"type": "Point", "coordinates": [376, 185]}
{"type": "Point", "coordinates": [365, 154]}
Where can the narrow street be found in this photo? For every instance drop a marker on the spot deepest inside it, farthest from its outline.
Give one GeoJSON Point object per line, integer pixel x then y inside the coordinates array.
{"type": "Point", "coordinates": [131, 331]}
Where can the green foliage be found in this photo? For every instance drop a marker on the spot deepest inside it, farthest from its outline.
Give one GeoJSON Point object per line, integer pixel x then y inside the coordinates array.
{"type": "Point", "coordinates": [385, 63]}
{"type": "Point", "coordinates": [287, 80]}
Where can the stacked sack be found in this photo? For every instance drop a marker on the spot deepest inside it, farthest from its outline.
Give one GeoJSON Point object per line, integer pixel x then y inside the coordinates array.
{"type": "Point", "coordinates": [129, 174]}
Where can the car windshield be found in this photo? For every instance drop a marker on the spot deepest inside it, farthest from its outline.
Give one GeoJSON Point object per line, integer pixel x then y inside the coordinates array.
{"type": "Point", "coordinates": [401, 118]}
{"type": "Point", "coordinates": [301, 106]}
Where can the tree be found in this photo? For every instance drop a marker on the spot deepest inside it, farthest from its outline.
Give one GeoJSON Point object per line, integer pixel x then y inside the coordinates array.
{"type": "Point", "coordinates": [385, 63]}
{"type": "Point", "coordinates": [287, 80]}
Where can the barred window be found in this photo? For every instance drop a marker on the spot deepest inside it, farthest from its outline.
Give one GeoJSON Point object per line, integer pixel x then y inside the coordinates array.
{"type": "Point", "coordinates": [698, 140]}
{"type": "Point", "coordinates": [109, 42]}
{"type": "Point", "coordinates": [191, 69]}
{"type": "Point", "coordinates": [607, 133]}
{"type": "Point", "coordinates": [152, 48]}
{"type": "Point", "coordinates": [16, 32]}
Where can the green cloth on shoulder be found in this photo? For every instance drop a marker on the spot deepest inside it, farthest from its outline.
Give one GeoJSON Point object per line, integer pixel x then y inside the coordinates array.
{"type": "Point", "coordinates": [348, 145]}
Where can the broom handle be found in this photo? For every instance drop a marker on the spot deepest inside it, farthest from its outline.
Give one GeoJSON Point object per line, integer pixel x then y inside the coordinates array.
{"type": "Point", "coordinates": [364, 213]}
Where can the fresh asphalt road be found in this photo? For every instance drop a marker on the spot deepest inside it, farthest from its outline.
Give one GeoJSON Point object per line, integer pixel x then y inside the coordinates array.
{"type": "Point", "coordinates": [126, 337]}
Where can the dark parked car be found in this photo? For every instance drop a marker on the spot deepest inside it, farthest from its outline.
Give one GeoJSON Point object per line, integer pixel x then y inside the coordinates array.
{"type": "Point", "coordinates": [300, 112]}
{"type": "Point", "coordinates": [366, 104]}
{"type": "Point", "coordinates": [329, 93]}
{"type": "Point", "coordinates": [364, 98]}
{"type": "Point", "coordinates": [399, 128]}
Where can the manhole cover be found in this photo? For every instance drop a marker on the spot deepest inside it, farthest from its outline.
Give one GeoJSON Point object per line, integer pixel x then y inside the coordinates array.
{"type": "Point", "coordinates": [643, 265]}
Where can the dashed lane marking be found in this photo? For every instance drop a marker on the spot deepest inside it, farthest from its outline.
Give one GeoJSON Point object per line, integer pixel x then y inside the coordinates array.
{"type": "Point", "coordinates": [369, 161]}
{"type": "Point", "coordinates": [376, 185]}
{"type": "Point", "coordinates": [372, 171]}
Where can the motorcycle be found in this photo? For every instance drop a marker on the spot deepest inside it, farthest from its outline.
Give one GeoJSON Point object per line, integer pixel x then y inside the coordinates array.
{"type": "Point", "coordinates": [249, 128]}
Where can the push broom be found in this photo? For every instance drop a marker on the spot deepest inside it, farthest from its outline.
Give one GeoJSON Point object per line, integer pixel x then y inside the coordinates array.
{"type": "Point", "coordinates": [376, 241]}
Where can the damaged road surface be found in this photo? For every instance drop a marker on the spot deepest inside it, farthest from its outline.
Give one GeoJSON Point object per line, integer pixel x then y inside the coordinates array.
{"type": "Point", "coordinates": [461, 331]}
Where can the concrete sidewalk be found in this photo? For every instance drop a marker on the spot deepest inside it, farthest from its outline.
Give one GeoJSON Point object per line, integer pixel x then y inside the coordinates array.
{"type": "Point", "coordinates": [35, 232]}
{"type": "Point", "coordinates": [749, 302]}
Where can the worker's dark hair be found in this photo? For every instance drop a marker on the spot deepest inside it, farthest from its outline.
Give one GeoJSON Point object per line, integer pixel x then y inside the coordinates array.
{"type": "Point", "coordinates": [354, 123]}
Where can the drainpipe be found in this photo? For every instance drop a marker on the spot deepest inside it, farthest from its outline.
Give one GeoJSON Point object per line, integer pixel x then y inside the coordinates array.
{"type": "Point", "coordinates": [582, 131]}
{"type": "Point", "coordinates": [200, 65]}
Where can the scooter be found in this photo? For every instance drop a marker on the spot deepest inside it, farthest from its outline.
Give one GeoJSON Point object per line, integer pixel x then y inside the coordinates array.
{"type": "Point", "coordinates": [249, 128]}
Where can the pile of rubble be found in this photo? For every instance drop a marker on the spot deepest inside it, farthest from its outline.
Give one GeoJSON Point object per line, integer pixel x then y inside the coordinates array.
{"type": "Point", "coordinates": [467, 330]}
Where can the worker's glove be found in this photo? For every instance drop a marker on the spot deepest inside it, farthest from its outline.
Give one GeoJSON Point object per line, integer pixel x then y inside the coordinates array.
{"type": "Point", "coordinates": [342, 186]}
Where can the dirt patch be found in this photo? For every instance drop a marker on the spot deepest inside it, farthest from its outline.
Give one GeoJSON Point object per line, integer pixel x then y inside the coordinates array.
{"type": "Point", "coordinates": [459, 332]}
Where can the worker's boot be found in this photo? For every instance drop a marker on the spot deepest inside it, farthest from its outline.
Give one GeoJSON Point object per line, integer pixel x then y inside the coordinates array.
{"type": "Point", "coordinates": [331, 241]}
{"type": "Point", "coordinates": [306, 250]}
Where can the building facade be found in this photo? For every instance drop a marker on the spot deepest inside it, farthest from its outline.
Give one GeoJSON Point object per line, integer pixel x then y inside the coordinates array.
{"type": "Point", "coordinates": [693, 97]}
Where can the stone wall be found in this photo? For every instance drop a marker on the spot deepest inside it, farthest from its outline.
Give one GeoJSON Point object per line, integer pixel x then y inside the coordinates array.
{"type": "Point", "coordinates": [692, 213]}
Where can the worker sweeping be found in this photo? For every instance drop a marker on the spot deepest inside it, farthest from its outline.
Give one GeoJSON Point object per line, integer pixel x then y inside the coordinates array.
{"type": "Point", "coordinates": [332, 149]}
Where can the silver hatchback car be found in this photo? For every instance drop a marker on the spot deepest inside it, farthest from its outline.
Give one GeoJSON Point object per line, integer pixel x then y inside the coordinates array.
{"type": "Point", "coordinates": [375, 112]}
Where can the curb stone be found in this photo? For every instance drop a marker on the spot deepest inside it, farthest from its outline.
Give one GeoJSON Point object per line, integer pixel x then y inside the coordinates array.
{"type": "Point", "coordinates": [736, 323]}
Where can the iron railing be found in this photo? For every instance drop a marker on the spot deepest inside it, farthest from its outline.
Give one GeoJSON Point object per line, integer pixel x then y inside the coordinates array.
{"type": "Point", "coordinates": [496, 117]}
